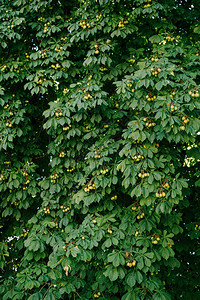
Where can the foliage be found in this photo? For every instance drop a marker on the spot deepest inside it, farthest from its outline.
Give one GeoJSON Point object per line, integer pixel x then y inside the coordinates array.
{"type": "Point", "coordinates": [99, 173]}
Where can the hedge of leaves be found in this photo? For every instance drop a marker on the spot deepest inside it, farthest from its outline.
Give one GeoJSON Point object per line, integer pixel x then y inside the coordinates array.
{"type": "Point", "coordinates": [99, 149]}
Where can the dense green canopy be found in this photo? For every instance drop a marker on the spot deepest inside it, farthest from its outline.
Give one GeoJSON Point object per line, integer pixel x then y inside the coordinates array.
{"type": "Point", "coordinates": [99, 149]}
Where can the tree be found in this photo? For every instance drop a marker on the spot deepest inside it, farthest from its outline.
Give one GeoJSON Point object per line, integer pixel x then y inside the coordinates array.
{"type": "Point", "coordinates": [99, 142]}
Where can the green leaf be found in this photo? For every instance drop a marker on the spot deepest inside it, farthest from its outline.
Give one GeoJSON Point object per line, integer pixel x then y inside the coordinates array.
{"type": "Point", "coordinates": [113, 275]}
{"type": "Point", "coordinates": [159, 85]}
{"type": "Point", "coordinates": [165, 253]}
{"type": "Point", "coordinates": [36, 296]}
{"type": "Point", "coordinates": [138, 276]}
{"type": "Point", "coordinates": [156, 38]}
{"type": "Point", "coordinates": [75, 251]}
{"type": "Point", "coordinates": [131, 279]}
{"type": "Point", "coordinates": [116, 259]}
{"type": "Point", "coordinates": [49, 296]}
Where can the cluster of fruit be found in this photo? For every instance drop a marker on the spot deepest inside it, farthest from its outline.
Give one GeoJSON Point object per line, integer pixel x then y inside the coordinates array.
{"type": "Point", "coordinates": [129, 84]}
{"type": "Point", "coordinates": [16, 70]}
{"type": "Point", "coordinates": [132, 59]}
{"type": "Point", "coordinates": [149, 122]}
{"type": "Point", "coordinates": [65, 128]}
{"type": "Point", "coordinates": [155, 58]}
{"type": "Point", "coordinates": [140, 216]}
{"type": "Point", "coordinates": [64, 209]}
{"type": "Point", "coordinates": [8, 123]}
{"type": "Point", "coordinates": [169, 245]}
{"type": "Point", "coordinates": [58, 113]}
{"type": "Point", "coordinates": [15, 265]}
{"type": "Point", "coordinates": [58, 49]}
{"type": "Point", "coordinates": [143, 174]}
{"type": "Point", "coordinates": [166, 185]}
{"type": "Point", "coordinates": [27, 181]}
{"type": "Point", "coordinates": [46, 27]}
{"type": "Point", "coordinates": [43, 53]}
{"type": "Point", "coordinates": [86, 127]}
{"type": "Point", "coordinates": [11, 26]}
{"type": "Point", "coordinates": [133, 90]}
{"type": "Point", "coordinates": [3, 68]}
{"type": "Point", "coordinates": [122, 23]}
{"type": "Point", "coordinates": [96, 48]}
{"type": "Point", "coordinates": [89, 187]}
{"type": "Point", "coordinates": [109, 230]}
{"type": "Point", "coordinates": [97, 155]}
{"type": "Point", "coordinates": [134, 141]}
{"type": "Point", "coordinates": [1, 177]}
{"type": "Point", "coordinates": [94, 221]}
{"type": "Point", "coordinates": [182, 127]}
{"type": "Point", "coordinates": [41, 19]}
{"type": "Point", "coordinates": [54, 177]}
{"type": "Point", "coordinates": [185, 119]}
{"type": "Point", "coordinates": [63, 38]}
{"type": "Point", "coordinates": [147, 5]}
{"type": "Point", "coordinates": [170, 38]}
{"type": "Point", "coordinates": [70, 170]}
{"type": "Point", "coordinates": [25, 233]}
{"type": "Point", "coordinates": [84, 24]}
{"type": "Point", "coordinates": [172, 93]}
{"type": "Point", "coordinates": [136, 233]}
{"type": "Point", "coordinates": [97, 295]}
{"type": "Point", "coordinates": [27, 56]}
{"type": "Point", "coordinates": [150, 97]}
{"type": "Point", "coordinates": [1, 138]}
{"type": "Point", "coordinates": [90, 77]}
{"type": "Point", "coordinates": [65, 91]}
{"type": "Point", "coordinates": [104, 171]}
{"type": "Point", "coordinates": [131, 263]}
{"type": "Point", "coordinates": [6, 106]}
{"type": "Point", "coordinates": [134, 208]}
{"type": "Point", "coordinates": [13, 249]}
{"type": "Point", "coordinates": [47, 210]}
{"type": "Point", "coordinates": [160, 194]}
{"type": "Point", "coordinates": [113, 197]}
{"type": "Point", "coordinates": [57, 66]}
{"type": "Point", "coordinates": [197, 227]}
{"type": "Point", "coordinates": [88, 96]}
{"type": "Point", "coordinates": [68, 20]}
{"type": "Point", "coordinates": [173, 107]}
{"type": "Point", "coordinates": [194, 93]}
{"type": "Point", "coordinates": [40, 81]}
{"type": "Point", "coordinates": [98, 16]}
{"type": "Point", "coordinates": [155, 239]}
{"type": "Point", "coordinates": [103, 69]}
{"type": "Point", "coordinates": [24, 172]}
{"type": "Point", "coordinates": [137, 157]}
{"type": "Point", "coordinates": [62, 154]}
{"type": "Point", "coordinates": [155, 71]}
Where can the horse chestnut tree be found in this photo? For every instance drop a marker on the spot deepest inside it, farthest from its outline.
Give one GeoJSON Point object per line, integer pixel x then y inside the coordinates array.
{"type": "Point", "coordinates": [99, 149]}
